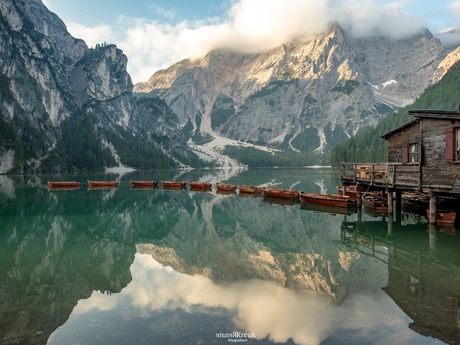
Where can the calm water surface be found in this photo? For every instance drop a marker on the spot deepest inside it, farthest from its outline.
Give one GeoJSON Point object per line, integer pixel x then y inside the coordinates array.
{"type": "Point", "coordinates": [161, 266]}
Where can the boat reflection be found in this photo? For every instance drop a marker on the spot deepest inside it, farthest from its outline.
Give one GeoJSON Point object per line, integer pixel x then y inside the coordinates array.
{"type": "Point", "coordinates": [327, 209]}
{"type": "Point", "coordinates": [101, 187]}
{"type": "Point", "coordinates": [51, 188]}
{"type": "Point", "coordinates": [225, 192]}
{"type": "Point", "coordinates": [279, 201]}
{"type": "Point", "coordinates": [250, 195]}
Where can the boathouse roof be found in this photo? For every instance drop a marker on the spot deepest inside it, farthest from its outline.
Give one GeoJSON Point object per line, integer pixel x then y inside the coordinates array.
{"type": "Point", "coordinates": [399, 129]}
{"type": "Point", "coordinates": [420, 114]}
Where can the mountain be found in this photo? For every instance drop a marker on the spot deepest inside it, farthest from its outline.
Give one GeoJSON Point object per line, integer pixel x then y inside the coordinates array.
{"type": "Point", "coordinates": [367, 146]}
{"type": "Point", "coordinates": [64, 106]}
{"type": "Point", "coordinates": [302, 97]}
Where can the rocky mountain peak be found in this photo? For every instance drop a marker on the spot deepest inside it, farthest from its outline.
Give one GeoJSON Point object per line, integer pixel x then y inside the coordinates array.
{"type": "Point", "coordinates": [306, 95]}
{"type": "Point", "coordinates": [52, 84]}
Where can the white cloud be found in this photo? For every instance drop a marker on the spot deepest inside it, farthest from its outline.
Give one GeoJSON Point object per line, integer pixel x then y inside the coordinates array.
{"type": "Point", "coordinates": [455, 7]}
{"type": "Point", "coordinates": [250, 26]}
{"type": "Point", "coordinates": [368, 17]}
{"type": "Point", "coordinates": [92, 36]}
{"type": "Point", "coordinates": [262, 307]}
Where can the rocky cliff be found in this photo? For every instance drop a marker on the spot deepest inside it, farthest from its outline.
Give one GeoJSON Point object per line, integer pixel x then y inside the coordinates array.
{"type": "Point", "coordinates": [52, 84]}
{"type": "Point", "coordinates": [304, 96]}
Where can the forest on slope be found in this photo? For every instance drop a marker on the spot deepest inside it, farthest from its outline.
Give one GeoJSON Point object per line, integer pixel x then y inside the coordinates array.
{"type": "Point", "coordinates": [367, 146]}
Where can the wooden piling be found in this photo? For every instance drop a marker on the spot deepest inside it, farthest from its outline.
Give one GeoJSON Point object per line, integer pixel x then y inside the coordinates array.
{"type": "Point", "coordinates": [390, 204]}
{"type": "Point", "coordinates": [433, 207]}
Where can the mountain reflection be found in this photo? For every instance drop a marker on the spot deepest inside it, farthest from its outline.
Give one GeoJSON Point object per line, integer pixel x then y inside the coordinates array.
{"type": "Point", "coordinates": [224, 262]}
{"type": "Point", "coordinates": [262, 307]}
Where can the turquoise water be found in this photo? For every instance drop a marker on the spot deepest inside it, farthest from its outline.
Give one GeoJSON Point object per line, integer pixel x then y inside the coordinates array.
{"type": "Point", "coordinates": [158, 266]}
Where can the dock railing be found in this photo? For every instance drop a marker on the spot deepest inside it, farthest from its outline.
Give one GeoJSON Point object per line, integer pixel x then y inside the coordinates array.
{"type": "Point", "coordinates": [401, 175]}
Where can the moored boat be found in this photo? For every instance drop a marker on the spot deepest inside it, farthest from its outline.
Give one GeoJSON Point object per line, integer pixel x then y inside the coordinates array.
{"type": "Point", "coordinates": [249, 189]}
{"type": "Point", "coordinates": [352, 192]}
{"type": "Point", "coordinates": [281, 193]}
{"type": "Point", "coordinates": [443, 217]}
{"type": "Point", "coordinates": [225, 187]}
{"type": "Point", "coordinates": [416, 199]}
{"type": "Point", "coordinates": [200, 185]}
{"type": "Point", "coordinates": [143, 184]}
{"type": "Point", "coordinates": [174, 184]}
{"type": "Point", "coordinates": [64, 184]}
{"type": "Point", "coordinates": [327, 199]}
{"type": "Point", "coordinates": [375, 202]}
{"type": "Point", "coordinates": [349, 191]}
{"type": "Point", "coordinates": [102, 183]}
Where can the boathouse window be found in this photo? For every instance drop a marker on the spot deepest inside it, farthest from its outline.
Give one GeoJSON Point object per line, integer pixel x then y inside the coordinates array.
{"type": "Point", "coordinates": [457, 130]}
{"type": "Point", "coordinates": [413, 153]}
{"type": "Point", "coordinates": [453, 144]}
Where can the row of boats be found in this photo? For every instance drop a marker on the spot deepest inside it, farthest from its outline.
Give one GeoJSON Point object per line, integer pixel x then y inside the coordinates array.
{"type": "Point", "coordinates": [319, 199]}
{"type": "Point", "coordinates": [346, 198]}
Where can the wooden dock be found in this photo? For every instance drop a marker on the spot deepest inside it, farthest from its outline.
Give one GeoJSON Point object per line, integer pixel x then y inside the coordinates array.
{"type": "Point", "coordinates": [423, 155]}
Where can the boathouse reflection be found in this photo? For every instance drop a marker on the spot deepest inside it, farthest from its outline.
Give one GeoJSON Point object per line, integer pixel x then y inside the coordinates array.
{"type": "Point", "coordinates": [423, 279]}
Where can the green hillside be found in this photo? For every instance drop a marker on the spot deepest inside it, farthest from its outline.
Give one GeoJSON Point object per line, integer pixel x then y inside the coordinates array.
{"type": "Point", "coordinates": [367, 146]}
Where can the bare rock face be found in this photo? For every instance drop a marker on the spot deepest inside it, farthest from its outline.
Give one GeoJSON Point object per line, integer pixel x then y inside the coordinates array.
{"type": "Point", "coordinates": [47, 76]}
{"type": "Point", "coordinates": [305, 95]}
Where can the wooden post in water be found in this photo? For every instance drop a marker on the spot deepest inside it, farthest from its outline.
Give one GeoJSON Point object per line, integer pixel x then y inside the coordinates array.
{"type": "Point", "coordinates": [390, 204]}
{"type": "Point", "coordinates": [433, 207]}
{"type": "Point", "coordinates": [390, 226]}
{"type": "Point", "coordinates": [398, 200]}
{"type": "Point", "coordinates": [358, 197]}
{"type": "Point", "coordinates": [398, 206]}
{"type": "Point", "coordinates": [432, 233]}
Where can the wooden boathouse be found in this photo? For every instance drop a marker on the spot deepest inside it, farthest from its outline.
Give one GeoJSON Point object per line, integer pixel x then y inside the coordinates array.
{"type": "Point", "coordinates": [423, 155]}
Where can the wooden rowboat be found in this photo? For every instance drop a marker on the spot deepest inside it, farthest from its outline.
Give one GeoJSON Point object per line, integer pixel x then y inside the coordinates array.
{"type": "Point", "coordinates": [64, 184]}
{"type": "Point", "coordinates": [225, 187]}
{"type": "Point", "coordinates": [143, 184]}
{"type": "Point", "coordinates": [327, 199]}
{"type": "Point", "coordinates": [281, 193]}
{"type": "Point", "coordinates": [375, 202]}
{"type": "Point", "coordinates": [102, 183]}
{"type": "Point", "coordinates": [200, 185]}
{"type": "Point", "coordinates": [353, 193]}
{"type": "Point", "coordinates": [249, 189]}
{"type": "Point", "coordinates": [443, 217]}
{"type": "Point", "coordinates": [349, 191]}
{"type": "Point", "coordinates": [174, 184]}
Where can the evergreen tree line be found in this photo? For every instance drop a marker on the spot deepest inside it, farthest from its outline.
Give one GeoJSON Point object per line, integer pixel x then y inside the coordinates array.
{"type": "Point", "coordinates": [79, 146]}
{"type": "Point", "coordinates": [367, 146]}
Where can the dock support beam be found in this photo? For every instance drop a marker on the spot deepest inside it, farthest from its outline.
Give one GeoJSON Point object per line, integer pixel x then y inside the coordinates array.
{"type": "Point", "coordinates": [359, 199]}
{"type": "Point", "coordinates": [398, 199]}
{"type": "Point", "coordinates": [432, 233]}
{"type": "Point", "coordinates": [390, 204]}
{"type": "Point", "coordinates": [433, 207]}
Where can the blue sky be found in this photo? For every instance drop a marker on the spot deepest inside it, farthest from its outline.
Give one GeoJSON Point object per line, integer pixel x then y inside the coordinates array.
{"type": "Point", "coordinates": [154, 34]}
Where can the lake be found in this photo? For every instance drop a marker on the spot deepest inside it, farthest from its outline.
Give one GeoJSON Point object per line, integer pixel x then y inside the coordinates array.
{"type": "Point", "coordinates": [158, 266]}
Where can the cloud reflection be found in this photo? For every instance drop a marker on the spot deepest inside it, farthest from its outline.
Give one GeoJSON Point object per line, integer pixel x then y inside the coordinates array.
{"type": "Point", "coordinates": [262, 307]}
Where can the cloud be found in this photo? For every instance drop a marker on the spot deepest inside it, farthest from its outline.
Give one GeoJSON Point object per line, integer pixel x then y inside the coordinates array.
{"type": "Point", "coordinates": [262, 307]}
{"type": "Point", "coordinates": [364, 18]}
{"type": "Point", "coordinates": [248, 26]}
{"type": "Point", "coordinates": [93, 35]}
{"type": "Point", "coordinates": [455, 7]}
